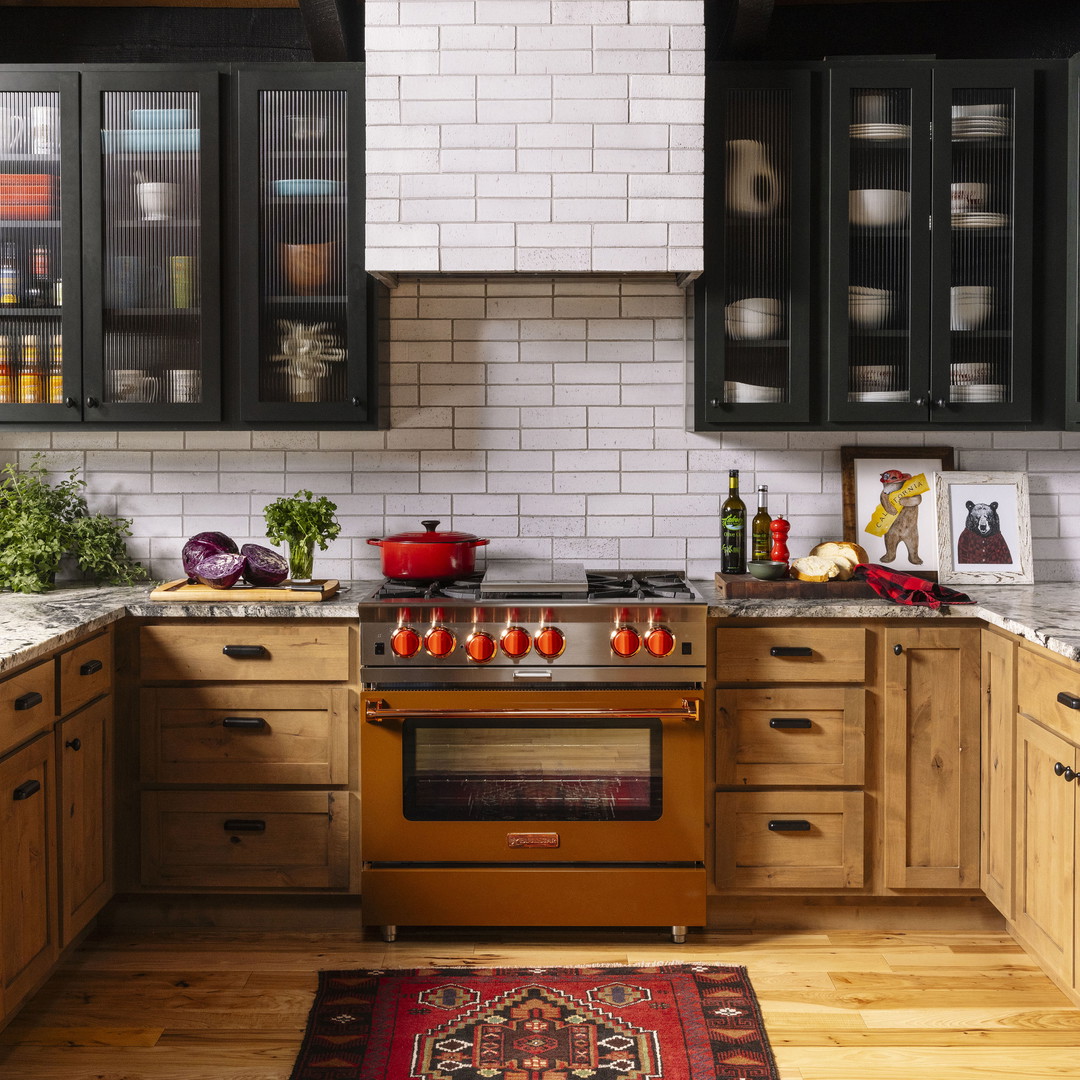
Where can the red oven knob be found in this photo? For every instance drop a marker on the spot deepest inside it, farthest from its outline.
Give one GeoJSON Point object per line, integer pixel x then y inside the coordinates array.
{"type": "Point", "coordinates": [625, 641]}
{"type": "Point", "coordinates": [480, 647]}
{"type": "Point", "coordinates": [515, 642]}
{"type": "Point", "coordinates": [550, 642]}
{"type": "Point", "coordinates": [439, 642]}
{"type": "Point", "coordinates": [660, 641]}
{"type": "Point", "coordinates": [405, 641]}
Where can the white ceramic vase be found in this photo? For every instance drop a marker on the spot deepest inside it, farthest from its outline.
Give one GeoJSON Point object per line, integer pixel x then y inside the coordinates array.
{"type": "Point", "coordinates": [753, 188]}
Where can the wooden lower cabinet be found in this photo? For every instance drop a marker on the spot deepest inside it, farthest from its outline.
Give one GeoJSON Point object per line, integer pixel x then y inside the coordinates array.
{"type": "Point", "coordinates": [28, 925]}
{"type": "Point", "coordinates": [84, 757]}
{"type": "Point", "coordinates": [790, 839]}
{"type": "Point", "coordinates": [998, 788]}
{"type": "Point", "coordinates": [932, 719]}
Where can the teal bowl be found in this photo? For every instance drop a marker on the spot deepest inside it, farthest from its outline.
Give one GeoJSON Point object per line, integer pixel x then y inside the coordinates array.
{"type": "Point", "coordinates": [159, 118]}
{"type": "Point", "coordinates": [768, 571]}
{"type": "Point", "coordinates": [306, 187]}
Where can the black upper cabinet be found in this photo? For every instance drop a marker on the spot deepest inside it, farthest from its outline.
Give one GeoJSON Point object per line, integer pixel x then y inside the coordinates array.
{"type": "Point", "coordinates": [152, 229]}
{"type": "Point", "coordinates": [1072, 304]}
{"type": "Point", "coordinates": [932, 282]}
{"type": "Point", "coordinates": [40, 323]}
{"type": "Point", "coordinates": [302, 287]}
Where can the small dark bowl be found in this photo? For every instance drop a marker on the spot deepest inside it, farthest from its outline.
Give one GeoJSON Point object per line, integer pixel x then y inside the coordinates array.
{"type": "Point", "coordinates": [768, 571]}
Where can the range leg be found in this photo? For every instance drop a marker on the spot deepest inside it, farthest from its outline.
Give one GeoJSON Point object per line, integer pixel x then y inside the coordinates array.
{"type": "Point", "coordinates": [678, 934]}
{"type": "Point", "coordinates": [389, 932]}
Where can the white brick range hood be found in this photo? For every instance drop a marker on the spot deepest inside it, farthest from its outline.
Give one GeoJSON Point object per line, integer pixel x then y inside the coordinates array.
{"type": "Point", "coordinates": [534, 136]}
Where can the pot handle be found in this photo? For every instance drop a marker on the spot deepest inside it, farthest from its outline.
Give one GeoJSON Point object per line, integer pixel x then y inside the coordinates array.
{"type": "Point", "coordinates": [375, 541]}
{"type": "Point", "coordinates": [480, 543]}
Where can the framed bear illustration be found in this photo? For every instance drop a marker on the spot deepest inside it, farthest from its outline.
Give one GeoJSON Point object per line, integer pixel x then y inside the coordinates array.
{"type": "Point", "coordinates": [889, 507]}
{"type": "Point", "coordinates": [984, 528]}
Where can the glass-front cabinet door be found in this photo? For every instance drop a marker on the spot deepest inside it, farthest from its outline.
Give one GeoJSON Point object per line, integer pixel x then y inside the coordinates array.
{"type": "Point", "coordinates": [759, 228]}
{"type": "Point", "coordinates": [930, 244]}
{"type": "Point", "coordinates": [303, 303]}
{"type": "Point", "coordinates": [151, 213]}
{"type": "Point", "coordinates": [39, 247]}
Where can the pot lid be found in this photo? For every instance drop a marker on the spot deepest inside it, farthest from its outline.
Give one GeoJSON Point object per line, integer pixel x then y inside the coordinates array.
{"type": "Point", "coordinates": [432, 536]}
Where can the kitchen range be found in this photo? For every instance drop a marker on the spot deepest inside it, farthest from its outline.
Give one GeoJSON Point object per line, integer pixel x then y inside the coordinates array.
{"type": "Point", "coordinates": [532, 749]}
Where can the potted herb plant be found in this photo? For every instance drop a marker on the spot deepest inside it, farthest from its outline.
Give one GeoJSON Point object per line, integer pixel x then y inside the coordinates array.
{"type": "Point", "coordinates": [301, 521]}
{"type": "Point", "coordinates": [41, 523]}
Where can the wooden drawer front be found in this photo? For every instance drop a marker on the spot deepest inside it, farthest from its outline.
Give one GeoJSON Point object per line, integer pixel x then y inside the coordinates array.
{"type": "Point", "coordinates": [246, 735]}
{"type": "Point", "coordinates": [826, 855]}
{"type": "Point", "coordinates": [805, 737]}
{"type": "Point", "coordinates": [790, 654]}
{"type": "Point", "coordinates": [1039, 680]}
{"type": "Point", "coordinates": [245, 840]}
{"type": "Point", "coordinates": [302, 652]}
{"type": "Point", "coordinates": [27, 704]}
{"type": "Point", "coordinates": [86, 672]}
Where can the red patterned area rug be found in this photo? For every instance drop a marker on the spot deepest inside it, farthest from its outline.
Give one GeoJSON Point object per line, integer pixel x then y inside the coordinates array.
{"type": "Point", "coordinates": [631, 1022]}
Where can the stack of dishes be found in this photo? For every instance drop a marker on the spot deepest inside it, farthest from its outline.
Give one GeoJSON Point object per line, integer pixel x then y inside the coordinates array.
{"type": "Point", "coordinates": [978, 392]}
{"type": "Point", "coordinates": [875, 378]}
{"type": "Point", "coordinates": [878, 395]}
{"type": "Point", "coordinates": [753, 318]}
{"type": "Point", "coordinates": [978, 219]}
{"type": "Point", "coordinates": [867, 307]}
{"type": "Point", "coordinates": [752, 392]}
{"type": "Point", "coordinates": [966, 374]}
{"type": "Point", "coordinates": [880, 131]}
{"type": "Point", "coordinates": [979, 127]}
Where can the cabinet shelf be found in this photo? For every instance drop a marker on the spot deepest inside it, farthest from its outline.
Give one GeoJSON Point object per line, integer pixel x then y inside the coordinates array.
{"type": "Point", "coordinates": [31, 312]}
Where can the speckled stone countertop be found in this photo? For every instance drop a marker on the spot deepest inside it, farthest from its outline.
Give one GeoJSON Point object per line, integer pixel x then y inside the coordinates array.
{"type": "Point", "coordinates": [33, 625]}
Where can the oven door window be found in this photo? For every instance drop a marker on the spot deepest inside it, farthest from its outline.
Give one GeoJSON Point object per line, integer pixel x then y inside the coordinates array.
{"type": "Point", "coordinates": [504, 770]}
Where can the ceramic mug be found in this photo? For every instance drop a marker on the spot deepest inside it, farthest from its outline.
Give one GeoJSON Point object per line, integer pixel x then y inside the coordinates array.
{"type": "Point", "coordinates": [307, 128]}
{"type": "Point", "coordinates": [156, 200]}
{"type": "Point", "coordinates": [44, 129]}
{"type": "Point", "coordinates": [11, 128]}
{"type": "Point", "coordinates": [307, 267]}
{"type": "Point", "coordinates": [970, 306]}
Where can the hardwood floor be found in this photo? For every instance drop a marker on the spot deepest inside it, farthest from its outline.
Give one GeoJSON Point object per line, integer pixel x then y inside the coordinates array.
{"type": "Point", "coordinates": [849, 1005]}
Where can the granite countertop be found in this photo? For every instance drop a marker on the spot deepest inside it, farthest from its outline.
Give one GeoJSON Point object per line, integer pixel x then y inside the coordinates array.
{"type": "Point", "coordinates": [33, 625]}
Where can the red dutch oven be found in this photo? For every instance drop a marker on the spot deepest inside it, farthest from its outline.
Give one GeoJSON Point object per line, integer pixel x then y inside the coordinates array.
{"type": "Point", "coordinates": [428, 555]}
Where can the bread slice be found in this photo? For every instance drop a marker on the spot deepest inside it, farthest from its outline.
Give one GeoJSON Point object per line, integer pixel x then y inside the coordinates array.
{"type": "Point", "coordinates": [814, 568]}
{"type": "Point", "coordinates": [845, 548]}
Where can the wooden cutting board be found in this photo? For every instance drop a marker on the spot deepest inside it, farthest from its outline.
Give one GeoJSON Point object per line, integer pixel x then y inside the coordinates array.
{"type": "Point", "coordinates": [747, 587]}
{"type": "Point", "coordinates": [243, 594]}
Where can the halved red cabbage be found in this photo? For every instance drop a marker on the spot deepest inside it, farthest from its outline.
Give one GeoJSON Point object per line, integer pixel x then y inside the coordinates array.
{"type": "Point", "coordinates": [220, 571]}
{"type": "Point", "coordinates": [203, 544]}
{"type": "Point", "coordinates": [264, 565]}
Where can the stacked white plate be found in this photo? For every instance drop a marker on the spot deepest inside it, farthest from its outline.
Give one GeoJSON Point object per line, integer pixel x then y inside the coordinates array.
{"type": "Point", "coordinates": [753, 318]}
{"type": "Point", "coordinates": [978, 392]}
{"type": "Point", "coordinates": [752, 392]}
{"type": "Point", "coordinates": [980, 127]}
{"type": "Point", "coordinates": [878, 395]}
{"type": "Point", "coordinates": [880, 131]}
{"type": "Point", "coordinates": [868, 307]}
{"type": "Point", "coordinates": [875, 378]}
{"type": "Point", "coordinates": [979, 219]}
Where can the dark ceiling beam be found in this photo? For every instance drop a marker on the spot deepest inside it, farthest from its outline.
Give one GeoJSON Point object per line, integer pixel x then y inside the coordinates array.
{"type": "Point", "coordinates": [329, 25]}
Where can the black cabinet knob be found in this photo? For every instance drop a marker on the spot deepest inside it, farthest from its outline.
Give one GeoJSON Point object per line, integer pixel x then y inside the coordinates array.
{"type": "Point", "coordinates": [715, 403]}
{"type": "Point", "coordinates": [356, 402]}
{"type": "Point", "coordinates": [74, 744]}
{"type": "Point", "coordinates": [24, 791]}
{"type": "Point", "coordinates": [1070, 701]}
{"type": "Point", "coordinates": [244, 723]}
{"type": "Point", "coordinates": [92, 403]}
{"type": "Point", "coordinates": [91, 667]}
{"type": "Point", "coordinates": [898, 649]}
{"type": "Point", "coordinates": [1059, 769]}
{"type": "Point", "coordinates": [922, 401]}
{"type": "Point", "coordinates": [28, 701]}
{"type": "Point", "coordinates": [71, 403]}
{"type": "Point", "coordinates": [244, 652]}
{"type": "Point", "coordinates": [789, 826]}
{"type": "Point", "coordinates": [1069, 775]}
{"type": "Point", "coordinates": [791, 650]}
{"type": "Point", "coordinates": [790, 723]}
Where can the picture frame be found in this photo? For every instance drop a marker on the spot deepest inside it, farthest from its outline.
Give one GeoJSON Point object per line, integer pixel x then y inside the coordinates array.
{"type": "Point", "coordinates": [984, 528]}
{"type": "Point", "coordinates": [908, 536]}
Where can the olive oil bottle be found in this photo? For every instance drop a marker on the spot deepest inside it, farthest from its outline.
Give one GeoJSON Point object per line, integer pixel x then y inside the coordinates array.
{"type": "Point", "coordinates": [733, 529]}
{"type": "Point", "coordinates": [760, 539]}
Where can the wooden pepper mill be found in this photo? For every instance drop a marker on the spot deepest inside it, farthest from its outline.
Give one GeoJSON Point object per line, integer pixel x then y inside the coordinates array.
{"type": "Point", "coordinates": [779, 529]}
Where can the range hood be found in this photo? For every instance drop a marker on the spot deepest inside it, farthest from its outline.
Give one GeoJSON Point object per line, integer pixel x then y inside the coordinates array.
{"type": "Point", "coordinates": [570, 143]}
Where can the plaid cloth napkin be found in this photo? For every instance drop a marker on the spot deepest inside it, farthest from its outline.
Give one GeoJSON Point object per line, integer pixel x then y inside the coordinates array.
{"type": "Point", "coordinates": [903, 588]}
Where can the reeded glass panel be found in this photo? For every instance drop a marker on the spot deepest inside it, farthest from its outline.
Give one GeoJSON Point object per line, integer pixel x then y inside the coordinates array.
{"type": "Point", "coordinates": [31, 294]}
{"type": "Point", "coordinates": [503, 770]}
{"type": "Point", "coordinates": [980, 287]}
{"type": "Point", "coordinates": [303, 215]}
{"type": "Point", "coordinates": [879, 245]}
{"type": "Point", "coordinates": [151, 242]}
{"type": "Point", "coordinates": [757, 251]}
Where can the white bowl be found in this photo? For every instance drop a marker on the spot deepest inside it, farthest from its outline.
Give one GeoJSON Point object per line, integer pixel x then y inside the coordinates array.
{"type": "Point", "coordinates": [878, 206]}
{"type": "Point", "coordinates": [978, 110]}
{"type": "Point", "coordinates": [766, 305]}
{"type": "Point", "coordinates": [871, 314]}
{"type": "Point", "coordinates": [867, 291]}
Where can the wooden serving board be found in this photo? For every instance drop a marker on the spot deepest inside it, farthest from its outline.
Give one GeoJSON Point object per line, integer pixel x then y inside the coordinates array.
{"type": "Point", "coordinates": [747, 587]}
{"type": "Point", "coordinates": [181, 589]}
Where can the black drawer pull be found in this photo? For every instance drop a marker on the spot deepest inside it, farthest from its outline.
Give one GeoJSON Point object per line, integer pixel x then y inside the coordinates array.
{"type": "Point", "coordinates": [28, 701]}
{"type": "Point", "coordinates": [789, 826]}
{"type": "Point", "coordinates": [786, 722]}
{"type": "Point", "coordinates": [1058, 768]}
{"type": "Point", "coordinates": [91, 667]}
{"type": "Point", "coordinates": [74, 744]}
{"type": "Point", "coordinates": [791, 650]}
{"type": "Point", "coordinates": [244, 723]}
{"type": "Point", "coordinates": [1070, 701]}
{"type": "Point", "coordinates": [245, 825]}
{"type": "Point", "coordinates": [24, 791]}
{"type": "Point", "coordinates": [244, 652]}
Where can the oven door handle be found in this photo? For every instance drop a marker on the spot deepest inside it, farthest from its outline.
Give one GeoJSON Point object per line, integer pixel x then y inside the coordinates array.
{"type": "Point", "coordinates": [378, 711]}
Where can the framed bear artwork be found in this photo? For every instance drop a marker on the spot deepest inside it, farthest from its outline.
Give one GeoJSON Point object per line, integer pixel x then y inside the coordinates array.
{"type": "Point", "coordinates": [889, 506]}
{"type": "Point", "coordinates": [984, 528]}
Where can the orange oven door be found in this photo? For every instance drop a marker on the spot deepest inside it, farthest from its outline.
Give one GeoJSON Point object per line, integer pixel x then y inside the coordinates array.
{"type": "Point", "coordinates": [493, 777]}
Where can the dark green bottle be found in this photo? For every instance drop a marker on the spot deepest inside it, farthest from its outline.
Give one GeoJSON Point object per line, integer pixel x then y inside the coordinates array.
{"type": "Point", "coordinates": [760, 539]}
{"type": "Point", "coordinates": [733, 529]}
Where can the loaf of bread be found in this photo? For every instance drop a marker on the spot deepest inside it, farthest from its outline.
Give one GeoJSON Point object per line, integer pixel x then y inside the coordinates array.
{"type": "Point", "coordinates": [844, 553]}
{"type": "Point", "coordinates": [814, 568]}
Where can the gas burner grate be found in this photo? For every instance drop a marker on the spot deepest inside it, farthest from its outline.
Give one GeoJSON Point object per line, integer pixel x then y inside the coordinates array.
{"type": "Point", "coordinates": [638, 586]}
{"type": "Point", "coordinates": [464, 588]}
